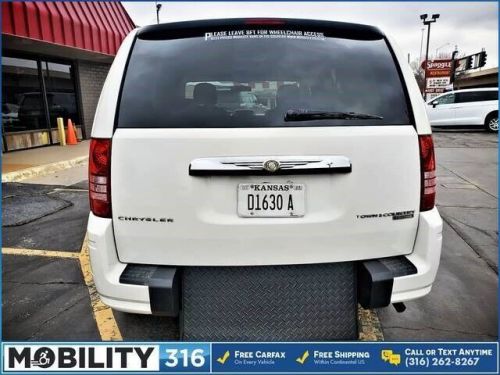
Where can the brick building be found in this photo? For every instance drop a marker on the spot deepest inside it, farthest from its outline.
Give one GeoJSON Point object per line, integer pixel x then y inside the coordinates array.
{"type": "Point", "coordinates": [55, 58]}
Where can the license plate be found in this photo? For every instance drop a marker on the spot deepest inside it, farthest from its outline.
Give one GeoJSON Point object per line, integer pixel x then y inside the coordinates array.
{"type": "Point", "coordinates": [271, 200]}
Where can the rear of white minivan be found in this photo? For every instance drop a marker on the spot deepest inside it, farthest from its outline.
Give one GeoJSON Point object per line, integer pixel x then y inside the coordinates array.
{"type": "Point", "coordinates": [248, 220]}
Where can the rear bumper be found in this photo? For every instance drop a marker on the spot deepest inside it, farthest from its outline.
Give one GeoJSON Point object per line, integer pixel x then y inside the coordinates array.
{"type": "Point", "coordinates": [107, 269]}
{"type": "Point", "coordinates": [425, 256]}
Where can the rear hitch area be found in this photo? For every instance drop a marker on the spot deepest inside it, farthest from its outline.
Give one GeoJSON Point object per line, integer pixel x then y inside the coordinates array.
{"type": "Point", "coordinates": [399, 307]}
{"type": "Point", "coordinates": [215, 302]}
{"type": "Point", "coordinates": [248, 303]}
{"type": "Point", "coordinates": [376, 279]}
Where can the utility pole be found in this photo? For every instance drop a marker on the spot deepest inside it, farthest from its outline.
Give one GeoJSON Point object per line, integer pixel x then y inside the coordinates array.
{"type": "Point", "coordinates": [453, 65]}
{"type": "Point", "coordinates": [427, 22]}
{"type": "Point", "coordinates": [421, 45]}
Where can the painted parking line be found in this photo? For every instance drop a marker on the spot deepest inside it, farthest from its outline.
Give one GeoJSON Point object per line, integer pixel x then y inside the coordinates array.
{"type": "Point", "coordinates": [57, 190]}
{"type": "Point", "coordinates": [369, 327]}
{"type": "Point", "coordinates": [39, 253]}
{"type": "Point", "coordinates": [103, 314]}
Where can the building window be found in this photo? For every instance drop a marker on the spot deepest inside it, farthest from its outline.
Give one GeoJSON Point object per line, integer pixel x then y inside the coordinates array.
{"type": "Point", "coordinates": [61, 97]}
{"type": "Point", "coordinates": [30, 106]}
{"type": "Point", "coordinates": [22, 105]}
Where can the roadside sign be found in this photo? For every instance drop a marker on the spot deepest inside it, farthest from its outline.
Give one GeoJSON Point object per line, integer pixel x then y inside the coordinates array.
{"type": "Point", "coordinates": [443, 64]}
{"type": "Point", "coordinates": [438, 83]}
{"type": "Point", "coordinates": [438, 73]}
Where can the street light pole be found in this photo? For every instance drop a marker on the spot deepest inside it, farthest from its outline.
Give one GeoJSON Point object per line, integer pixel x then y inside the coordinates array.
{"type": "Point", "coordinates": [426, 58]}
{"type": "Point", "coordinates": [158, 7]}
{"type": "Point", "coordinates": [427, 22]}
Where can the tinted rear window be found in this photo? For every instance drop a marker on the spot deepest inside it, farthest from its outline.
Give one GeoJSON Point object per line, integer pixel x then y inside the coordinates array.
{"type": "Point", "coordinates": [476, 96]}
{"type": "Point", "coordinates": [250, 78]}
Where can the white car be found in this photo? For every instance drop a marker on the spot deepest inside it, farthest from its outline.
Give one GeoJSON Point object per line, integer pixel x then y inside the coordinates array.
{"type": "Point", "coordinates": [465, 107]}
{"type": "Point", "coordinates": [251, 226]}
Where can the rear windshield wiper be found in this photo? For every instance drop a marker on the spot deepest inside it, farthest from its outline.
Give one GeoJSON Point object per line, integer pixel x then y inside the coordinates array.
{"type": "Point", "coordinates": [308, 115]}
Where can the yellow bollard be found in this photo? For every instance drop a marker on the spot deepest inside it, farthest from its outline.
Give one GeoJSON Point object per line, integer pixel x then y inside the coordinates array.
{"type": "Point", "coordinates": [60, 129]}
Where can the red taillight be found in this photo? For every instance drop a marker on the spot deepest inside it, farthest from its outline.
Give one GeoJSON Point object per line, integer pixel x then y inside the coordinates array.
{"type": "Point", "coordinates": [264, 21]}
{"type": "Point", "coordinates": [428, 173]}
{"type": "Point", "coordinates": [100, 177]}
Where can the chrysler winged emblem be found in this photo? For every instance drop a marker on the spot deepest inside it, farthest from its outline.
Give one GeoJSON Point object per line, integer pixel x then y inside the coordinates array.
{"type": "Point", "coordinates": [271, 165]}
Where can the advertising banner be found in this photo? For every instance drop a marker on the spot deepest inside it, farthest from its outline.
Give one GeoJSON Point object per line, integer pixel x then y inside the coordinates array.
{"type": "Point", "coordinates": [179, 357]}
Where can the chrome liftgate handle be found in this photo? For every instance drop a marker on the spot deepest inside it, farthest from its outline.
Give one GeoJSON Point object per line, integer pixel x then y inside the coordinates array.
{"type": "Point", "coordinates": [270, 165]}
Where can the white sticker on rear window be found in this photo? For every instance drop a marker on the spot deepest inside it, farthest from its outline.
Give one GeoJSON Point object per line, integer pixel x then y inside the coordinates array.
{"type": "Point", "coordinates": [264, 34]}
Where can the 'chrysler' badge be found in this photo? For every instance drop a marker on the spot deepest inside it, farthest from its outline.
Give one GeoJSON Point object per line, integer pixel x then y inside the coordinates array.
{"type": "Point", "coordinates": [272, 165]}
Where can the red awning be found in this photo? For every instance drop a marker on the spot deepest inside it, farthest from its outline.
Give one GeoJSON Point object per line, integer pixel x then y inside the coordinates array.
{"type": "Point", "coordinates": [93, 26]}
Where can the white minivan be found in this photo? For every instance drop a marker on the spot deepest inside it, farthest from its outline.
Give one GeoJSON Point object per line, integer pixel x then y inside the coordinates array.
{"type": "Point", "coordinates": [252, 224]}
{"type": "Point", "coordinates": [478, 107]}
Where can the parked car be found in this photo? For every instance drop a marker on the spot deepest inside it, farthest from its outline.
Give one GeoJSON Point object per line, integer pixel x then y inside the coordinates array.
{"type": "Point", "coordinates": [262, 227]}
{"type": "Point", "coordinates": [9, 114]}
{"type": "Point", "coordinates": [32, 114]}
{"type": "Point", "coordinates": [477, 107]}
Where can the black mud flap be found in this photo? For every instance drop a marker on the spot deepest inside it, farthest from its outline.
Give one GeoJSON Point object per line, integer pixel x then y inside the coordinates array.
{"type": "Point", "coordinates": [376, 279]}
{"type": "Point", "coordinates": [314, 302]}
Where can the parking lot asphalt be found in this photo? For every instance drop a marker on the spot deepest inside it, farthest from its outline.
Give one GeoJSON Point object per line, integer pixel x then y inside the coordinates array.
{"type": "Point", "coordinates": [47, 295]}
{"type": "Point", "coordinates": [463, 302]}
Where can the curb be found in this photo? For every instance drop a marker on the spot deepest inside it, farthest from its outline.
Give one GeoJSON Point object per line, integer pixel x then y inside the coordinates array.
{"type": "Point", "coordinates": [42, 170]}
{"type": "Point", "coordinates": [369, 327]}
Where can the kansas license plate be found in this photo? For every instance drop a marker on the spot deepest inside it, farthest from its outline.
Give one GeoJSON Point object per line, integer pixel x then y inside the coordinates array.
{"type": "Point", "coordinates": [271, 200]}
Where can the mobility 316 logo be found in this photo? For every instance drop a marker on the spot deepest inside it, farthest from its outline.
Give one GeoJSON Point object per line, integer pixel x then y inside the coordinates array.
{"type": "Point", "coordinates": [106, 357]}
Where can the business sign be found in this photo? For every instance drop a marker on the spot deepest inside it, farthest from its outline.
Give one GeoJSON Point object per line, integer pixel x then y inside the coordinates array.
{"type": "Point", "coordinates": [437, 68]}
{"type": "Point", "coordinates": [437, 73]}
{"type": "Point", "coordinates": [434, 84]}
{"type": "Point", "coordinates": [219, 358]}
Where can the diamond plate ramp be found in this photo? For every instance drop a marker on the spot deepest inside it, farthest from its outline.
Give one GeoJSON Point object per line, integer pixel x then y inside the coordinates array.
{"type": "Point", "coordinates": [271, 303]}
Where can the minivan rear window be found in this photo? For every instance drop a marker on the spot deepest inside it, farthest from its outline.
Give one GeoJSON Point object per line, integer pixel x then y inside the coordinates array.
{"type": "Point", "coordinates": [476, 96]}
{"type": "Point", "coordinates": [251, 78]}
